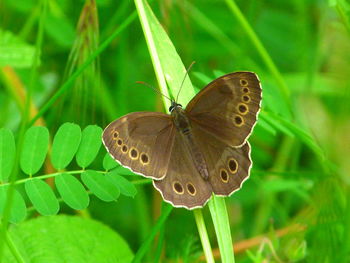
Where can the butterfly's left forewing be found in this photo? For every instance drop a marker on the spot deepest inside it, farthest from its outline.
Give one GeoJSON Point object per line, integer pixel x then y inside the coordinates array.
{"type": "Point", "coordinates": [141, 141]}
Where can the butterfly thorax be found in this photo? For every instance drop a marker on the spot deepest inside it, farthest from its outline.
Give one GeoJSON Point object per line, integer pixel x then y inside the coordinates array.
{"type": "Point", "coordinates": [181, 121]}
{"type": "Point", "coordinates": [183, 125]}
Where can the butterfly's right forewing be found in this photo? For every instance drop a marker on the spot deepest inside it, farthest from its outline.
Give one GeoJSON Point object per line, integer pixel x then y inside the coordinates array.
{"type": "Point", "coordinates": [228, 107]}
{"type": "Point", "coordinates": [141, 141]}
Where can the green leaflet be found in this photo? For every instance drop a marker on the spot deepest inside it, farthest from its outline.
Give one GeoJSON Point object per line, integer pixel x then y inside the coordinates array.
{"type": "Point", "coordinates": [18, 206]}
{"type": "Point", "coordinates": [42, 197]}
{"type": "Point", "coordinates": [125, 186]}
{"type": "Point", "coordinates": [100, 186]}
{"type": "Point", "coordinates": [34, 149]}
{"type": "Point", "coordinates": [72, 191]}
{"type": "Point", "coordinates": [65, 145]}
{"type": "Point", "coordinates": [7, 153]}
{"type": "Point", "coordinates": [109, 163]}
{"type": "Point", "coordinates": [89, 146]}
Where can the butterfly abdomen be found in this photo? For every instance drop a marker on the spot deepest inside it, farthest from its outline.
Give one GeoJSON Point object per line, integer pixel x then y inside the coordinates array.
{"type": "Point", "coordinates": [183, 126]}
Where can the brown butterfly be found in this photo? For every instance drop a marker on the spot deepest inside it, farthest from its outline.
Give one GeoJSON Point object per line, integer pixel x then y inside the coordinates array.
{"type": "Point", "coordinates": [196, 151]}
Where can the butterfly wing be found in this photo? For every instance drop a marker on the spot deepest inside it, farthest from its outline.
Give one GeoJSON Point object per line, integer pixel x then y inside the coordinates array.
{"type": "Point", "coordinates": [141, 141]}
{"type": "Point", "coordinates": [183, 186]}
{"type": "Point", "coordinates": [228, 107]}
{"type": "Point", "coordinates": [228, 166]}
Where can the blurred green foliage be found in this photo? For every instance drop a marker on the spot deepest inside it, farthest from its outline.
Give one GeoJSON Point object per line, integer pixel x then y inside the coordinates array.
{"type": "Point", "coordinates": [301, 166]}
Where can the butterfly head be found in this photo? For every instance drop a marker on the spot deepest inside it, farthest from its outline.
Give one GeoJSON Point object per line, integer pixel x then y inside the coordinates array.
{"type": "Point", "coordinates": [174, 105]}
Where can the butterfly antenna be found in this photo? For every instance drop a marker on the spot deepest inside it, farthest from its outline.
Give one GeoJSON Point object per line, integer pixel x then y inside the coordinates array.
{"type": "Point", "coordinates": [148, 85]}
{"type": "Point", "coordinates": [188, 69]}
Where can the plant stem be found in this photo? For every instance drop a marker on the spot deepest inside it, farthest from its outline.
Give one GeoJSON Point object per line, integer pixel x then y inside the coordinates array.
{"type": "Point", "coordinates": [13, 248]}
{"type": "Point", "coordinates": [261, 49]}
{"type": "Point", "coordinates": [147, 243]}
{"type": "Point", "coordinates": [203, 235]}
{"type": "Point", "coordinates": [221, 223]}
{"type": "Point", "coordinates": [88, 61]}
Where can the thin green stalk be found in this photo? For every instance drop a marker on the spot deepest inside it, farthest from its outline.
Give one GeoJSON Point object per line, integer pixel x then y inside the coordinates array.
{"type": "Point", "coordinates": [143, 213]}
{"type": "Point", "coordinates": [198, 216]}
{"type": "Point", "coordinates": [261, 49]}
{"type": "Point", "coordinates": [263, 211]}
{"type": "Point", "coordinates": [76, 74]}
{"type": "Point", "coordinates": [160, 243]}
{"type": "Point", "coordinates": [221, 223]}
{"type": "Point", "coordinates": [345, 248]}
{"type": "Point", "coordinates": [15, 252]}
{"type": "Point", "coordinates": [216, 32]}
{"type": "Point", "coordinates": [342, 13]}
{"type": "Point", "coordinates": [45, 176]}
{"type": "Point", "coordinates": [146, 245]}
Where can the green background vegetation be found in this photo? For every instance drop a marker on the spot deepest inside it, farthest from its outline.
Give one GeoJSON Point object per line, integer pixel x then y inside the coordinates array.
{"type": "Point", "coordinates": [64, 61]}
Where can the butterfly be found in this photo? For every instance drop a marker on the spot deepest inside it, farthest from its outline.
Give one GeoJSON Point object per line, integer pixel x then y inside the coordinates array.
{"type": "Point", "coordinates": [194, 152]}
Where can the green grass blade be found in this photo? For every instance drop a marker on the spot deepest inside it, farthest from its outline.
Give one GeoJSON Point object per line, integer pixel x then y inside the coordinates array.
{"type": "Point", "coordinates": [167, 63]}
{"type": "Point", "coordinates": [221, 222]}
{"type": "Point", "coordinates": [198, 216]}
{"type": "Point", "coordinates": [261, 49]}
{"type": "Point", "coordinates": [77, 73]}
{"type": "Point", "coordinates": [146, 245]}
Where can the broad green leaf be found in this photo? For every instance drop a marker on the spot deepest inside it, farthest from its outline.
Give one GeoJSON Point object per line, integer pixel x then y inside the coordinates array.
{"type": "Point", "coordinates": [7, 153]}
{"type": "Point", "coordinates": [14, 51]}
{"type": "Point", "coordinates": [65, 145]}
{"type": "Point", "coordinates": [125, 186]}
{"type": "Point", "coordinates": [73, 239]}
{"type": "Point", "coordinates": [89, 146]}
{"type": "Point", "coordinates": [18, 206]}
{"type": "Point", "coordinates": [72, 191]}
{"type": "Point", "coordinates": [100, 186]}
{"type": "Point", "coordinates": [42, 197]}
{"type": "Point", "coordinates": [34, 150]}
{"type": "Point", "coordinates": [109, 163]}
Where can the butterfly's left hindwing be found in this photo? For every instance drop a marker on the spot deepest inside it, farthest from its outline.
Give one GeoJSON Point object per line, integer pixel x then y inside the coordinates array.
{"type": "Point", "coordinates": [141, 141]}
{"type": "Point", "coordinates": [183, 186]}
